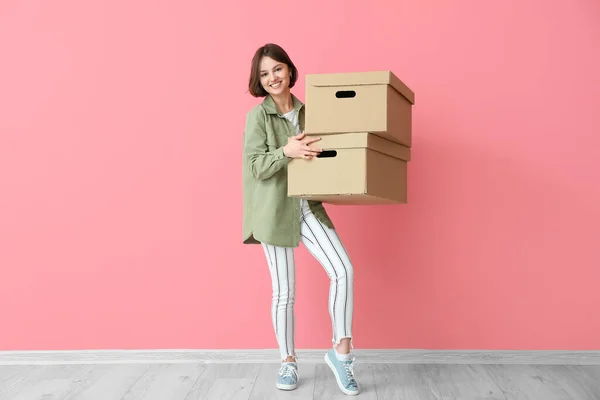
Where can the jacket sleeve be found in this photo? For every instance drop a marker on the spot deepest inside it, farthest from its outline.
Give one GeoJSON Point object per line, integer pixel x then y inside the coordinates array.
{"type": "Point", "coordinates": [262, 163]}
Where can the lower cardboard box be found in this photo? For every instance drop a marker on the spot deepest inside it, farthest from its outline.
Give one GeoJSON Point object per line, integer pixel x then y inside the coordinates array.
{"type": "Point", "coordinates": [355, 168]}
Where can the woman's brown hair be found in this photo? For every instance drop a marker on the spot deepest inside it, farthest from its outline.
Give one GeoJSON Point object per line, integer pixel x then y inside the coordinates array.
{"type": "Point", "coordinates": [278, 54]}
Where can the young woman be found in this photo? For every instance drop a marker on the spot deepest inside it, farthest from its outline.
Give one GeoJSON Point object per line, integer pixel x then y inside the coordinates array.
{"type": "Point", "coordinates": [273, 136]}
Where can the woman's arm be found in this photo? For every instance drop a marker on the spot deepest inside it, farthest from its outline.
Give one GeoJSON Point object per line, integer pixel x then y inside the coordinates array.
{"type": "Point", "coordinates": [262, 163]}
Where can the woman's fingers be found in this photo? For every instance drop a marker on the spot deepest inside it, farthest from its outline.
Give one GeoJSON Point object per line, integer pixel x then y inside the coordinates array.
{"type": "Point", "coordinates": [311, 140]}
{"type": "Point", "coordinates": [312, 149]}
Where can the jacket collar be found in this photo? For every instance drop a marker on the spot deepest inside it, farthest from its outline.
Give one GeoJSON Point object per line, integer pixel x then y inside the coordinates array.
{"type": "Point", "coordinates": [271, 108]}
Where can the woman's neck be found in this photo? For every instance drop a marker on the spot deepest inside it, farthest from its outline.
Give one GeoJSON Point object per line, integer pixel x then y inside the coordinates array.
{"type": "Point", "coordinates": [284, 102]}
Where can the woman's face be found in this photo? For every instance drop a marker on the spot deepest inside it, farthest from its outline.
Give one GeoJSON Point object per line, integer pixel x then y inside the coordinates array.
{"type": "Point", "coordinates": [274, 76]}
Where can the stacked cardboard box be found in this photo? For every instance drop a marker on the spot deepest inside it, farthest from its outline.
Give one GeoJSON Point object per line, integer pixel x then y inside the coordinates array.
{"type": "Point", "coordinates": [364, 120]}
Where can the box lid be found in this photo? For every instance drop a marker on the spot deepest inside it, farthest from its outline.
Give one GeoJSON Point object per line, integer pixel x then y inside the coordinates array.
{"type": "Point", "coordinates": [354, 140]}
{"type": "Point", "coordinates": [362, 78]}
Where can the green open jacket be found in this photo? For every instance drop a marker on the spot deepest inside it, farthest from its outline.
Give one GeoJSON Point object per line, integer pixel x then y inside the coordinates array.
{"type": "Point", "coordinates": [269, 215]}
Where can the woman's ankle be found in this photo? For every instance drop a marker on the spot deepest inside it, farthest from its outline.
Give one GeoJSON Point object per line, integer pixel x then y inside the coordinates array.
{"type": "Point", "coordinates": [343, 347]}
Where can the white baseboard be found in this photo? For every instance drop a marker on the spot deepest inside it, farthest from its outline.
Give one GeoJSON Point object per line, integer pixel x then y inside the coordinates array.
{"type": "Point", "coordinates": [388, 356]}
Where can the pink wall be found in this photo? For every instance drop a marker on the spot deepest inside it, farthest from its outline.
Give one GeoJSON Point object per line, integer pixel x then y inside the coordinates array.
{"type": "Point", "coordinates": [120, 175]}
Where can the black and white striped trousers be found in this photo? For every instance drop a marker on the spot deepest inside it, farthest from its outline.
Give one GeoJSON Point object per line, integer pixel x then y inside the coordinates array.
{"type": "Point", "coordinates": [325, 245]}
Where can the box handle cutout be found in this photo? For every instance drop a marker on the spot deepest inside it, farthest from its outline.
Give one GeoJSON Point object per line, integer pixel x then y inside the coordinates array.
{"type": "Point", "coordinates": [327, 154]}
{"type": "Point", "coordinates": [345, 94]}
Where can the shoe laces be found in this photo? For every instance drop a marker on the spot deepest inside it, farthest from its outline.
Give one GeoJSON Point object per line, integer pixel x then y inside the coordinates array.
{"type": "Point", "coordinates": [288, 369]}
{"type": "Point", "coordinates": [349, 368]}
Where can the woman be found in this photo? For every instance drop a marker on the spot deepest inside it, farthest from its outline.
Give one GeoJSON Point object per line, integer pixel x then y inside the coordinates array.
{"type": "Point", "coordinates": [273, 136]}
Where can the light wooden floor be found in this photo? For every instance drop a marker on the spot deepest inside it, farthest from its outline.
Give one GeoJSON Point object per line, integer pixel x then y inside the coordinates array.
{"type": "Point", "coordinates": [257, 381]}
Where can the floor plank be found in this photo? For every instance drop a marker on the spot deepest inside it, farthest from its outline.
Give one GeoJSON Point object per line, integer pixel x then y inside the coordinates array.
{"type": "Point", "coordinates": [106, 382]}
{"type": "Point", "coordinates": [47, 382]}
{"type": "Point", "coordinates": [225, 381]}
{"type": "Point", "coordinates": [11, 375]}
{"type": "Point", "coordinates": [577, 381]}
{"type": "Point", "coordinates": [458, 381]}
{"type": "Point", "coordinates": [525, 382]}
{"type": "Point", "coordinates": [165, 381]}
{"type": "Point", "coordinates": [403, 382]}
{"type": "Point", "coordinates": [591, 370]}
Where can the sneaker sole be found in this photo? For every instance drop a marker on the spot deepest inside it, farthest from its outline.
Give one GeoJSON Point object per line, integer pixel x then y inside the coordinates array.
{"type": "Point", "coordinates": [285, 387]}
{"type": "Point", "coordinates": [337, 379]}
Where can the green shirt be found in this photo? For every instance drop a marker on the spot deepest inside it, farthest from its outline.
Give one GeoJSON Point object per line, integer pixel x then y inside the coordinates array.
{"type": "Point", "coordinates": [269, 215]}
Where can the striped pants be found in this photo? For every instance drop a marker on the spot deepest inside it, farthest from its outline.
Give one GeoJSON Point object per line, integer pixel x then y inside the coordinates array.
{"type": "Point", "coordinates": [325, 245]}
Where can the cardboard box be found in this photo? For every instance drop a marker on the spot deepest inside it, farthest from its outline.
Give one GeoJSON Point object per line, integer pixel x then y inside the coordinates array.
{"type": "Point", "coordinates": [356, 168]}
{"type": "Point", "coordinates": [376, 102]}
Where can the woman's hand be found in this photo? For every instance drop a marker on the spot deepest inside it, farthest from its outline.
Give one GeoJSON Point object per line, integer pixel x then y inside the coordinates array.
{"type": "Point", "coordinates": [297, 147]}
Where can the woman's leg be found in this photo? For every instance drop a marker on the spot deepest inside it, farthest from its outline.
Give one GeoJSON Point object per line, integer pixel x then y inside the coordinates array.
{"type": "Point", "coordinates": [282, 269]}
{"type": "Point", "coordinates": [325, 245]}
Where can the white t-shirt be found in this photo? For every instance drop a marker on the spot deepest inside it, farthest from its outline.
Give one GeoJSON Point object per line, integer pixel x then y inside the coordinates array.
{"type": "Point", "coordinates": [292, 116]}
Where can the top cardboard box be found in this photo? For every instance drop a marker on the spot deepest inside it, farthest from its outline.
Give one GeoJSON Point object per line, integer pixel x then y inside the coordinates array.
{"type": "Point", "coordinates": [376, 102]}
